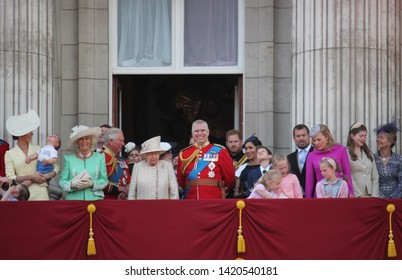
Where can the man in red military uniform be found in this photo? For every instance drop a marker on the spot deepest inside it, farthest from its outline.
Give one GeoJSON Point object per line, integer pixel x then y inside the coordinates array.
{"type": "Point", "coordinates": [204, 170]}
{"type": "Point", "coordinates": [117, 167]}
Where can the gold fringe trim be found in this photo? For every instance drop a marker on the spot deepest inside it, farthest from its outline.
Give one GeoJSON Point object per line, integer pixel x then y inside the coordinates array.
{"type": "Point", "coordinates": [91, 250]}
{"type": "Point", "coordinates": [186, 162]}
{"type": "Point", "coordinates": [241, 243]}
{"type": "Point", "coordinates": [391, 243]}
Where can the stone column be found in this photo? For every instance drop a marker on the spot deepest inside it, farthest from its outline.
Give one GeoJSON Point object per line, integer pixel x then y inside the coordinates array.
{"type": "Point", "coordinates": [26, 62]}
{"type": "Point", "coordinates": [93, 64]}
{"type": "Point", "coordinates": [346, 64]}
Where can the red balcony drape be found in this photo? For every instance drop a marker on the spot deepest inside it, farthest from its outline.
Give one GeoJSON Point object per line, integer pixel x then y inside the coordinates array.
{"type": "Point", "coordinates": [273, 229]}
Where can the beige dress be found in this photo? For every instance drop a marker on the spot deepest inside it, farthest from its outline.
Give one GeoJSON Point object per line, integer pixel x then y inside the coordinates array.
{"type": "Point", "coordinates": [16, 166]}
{"type": "Point", "coordinates": [365, 177]}
{"type": "Point", "coordinates": [158, 182]}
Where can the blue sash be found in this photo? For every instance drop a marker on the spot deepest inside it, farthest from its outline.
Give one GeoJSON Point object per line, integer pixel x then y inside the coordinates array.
{"type": "Point", "coordinates": [115, 178]}
{"type": "Point", "coordinates": [201, 165]}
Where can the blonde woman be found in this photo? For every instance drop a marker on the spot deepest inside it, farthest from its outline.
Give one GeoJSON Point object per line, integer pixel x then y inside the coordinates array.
{"type": "Point", "coordinates": [389, 164]}
{"type": "Point", "coordinates": [325, 146]}
{"type": "Point", "coordinates": [84, 174]}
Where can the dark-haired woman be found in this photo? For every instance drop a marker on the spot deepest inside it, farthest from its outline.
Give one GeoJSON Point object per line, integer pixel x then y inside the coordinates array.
{"type": "Point", "coordinates": [242, 189]}
{"type": "Point", "coordinates": [389, 164]}
{"type": "Point", "coordinates": [362, 164]}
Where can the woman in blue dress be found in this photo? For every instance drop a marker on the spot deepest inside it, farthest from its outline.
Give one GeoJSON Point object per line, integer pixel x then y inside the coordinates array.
{"type": "Point", "coordinates": [389, 164]}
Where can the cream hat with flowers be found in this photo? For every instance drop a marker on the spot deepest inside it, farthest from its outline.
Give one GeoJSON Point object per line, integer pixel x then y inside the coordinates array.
{"type": "Point", "coordinates": [22, 124]}
{"type": "Point", "coordinates": [152, 145]}
{"type": "Point", "coordinates": [80, 131]}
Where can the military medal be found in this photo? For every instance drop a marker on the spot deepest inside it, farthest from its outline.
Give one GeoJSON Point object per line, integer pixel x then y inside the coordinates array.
{"type": "Point", "coordinates": [211, 173]}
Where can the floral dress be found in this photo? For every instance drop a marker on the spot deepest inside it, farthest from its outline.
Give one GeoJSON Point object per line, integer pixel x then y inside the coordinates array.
{"type": "Point", "coordinates": [390, 176]}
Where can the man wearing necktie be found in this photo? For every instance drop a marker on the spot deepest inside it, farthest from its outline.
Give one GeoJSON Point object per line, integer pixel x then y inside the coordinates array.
{"type": "Point", "coordinates": [298, 158]}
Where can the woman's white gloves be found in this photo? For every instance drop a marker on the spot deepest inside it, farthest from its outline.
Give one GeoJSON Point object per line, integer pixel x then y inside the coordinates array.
{"type": "Point", "coordinates": [80, 184]}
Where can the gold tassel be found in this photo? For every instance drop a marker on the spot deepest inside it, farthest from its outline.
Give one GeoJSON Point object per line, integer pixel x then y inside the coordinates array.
{"type": "Point", "coordinates": [391, 243]}
{"type": "Point", "coordinates": [241, 243]}
{"type": "Point", "coordinates": [91, 250]}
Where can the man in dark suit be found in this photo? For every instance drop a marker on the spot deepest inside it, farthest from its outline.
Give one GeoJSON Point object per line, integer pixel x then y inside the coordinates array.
{"type": "Point", "coordinates": [298, 158]}
{"type": "Point", "coordinates": [234, 144]}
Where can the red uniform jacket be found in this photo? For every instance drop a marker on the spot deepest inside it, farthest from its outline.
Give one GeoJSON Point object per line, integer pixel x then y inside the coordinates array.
{"type": "Point", "coordinates": [3, 149]}
{"type": "Point", "coordinates": [118, 173]}
{"type": "Point", "coordinates": [219, 169]}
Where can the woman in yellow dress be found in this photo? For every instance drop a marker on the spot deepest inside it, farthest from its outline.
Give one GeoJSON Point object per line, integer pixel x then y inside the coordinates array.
{"type": "Point", "coordinates": [21, 127]}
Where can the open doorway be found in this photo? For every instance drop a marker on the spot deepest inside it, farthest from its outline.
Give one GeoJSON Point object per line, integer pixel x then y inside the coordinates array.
{"type": "Point", "coordinates": [166, 105]}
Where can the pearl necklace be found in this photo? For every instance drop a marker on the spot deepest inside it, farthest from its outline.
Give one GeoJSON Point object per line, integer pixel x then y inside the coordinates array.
{"type": "Point", "coordinates": [84, 156]}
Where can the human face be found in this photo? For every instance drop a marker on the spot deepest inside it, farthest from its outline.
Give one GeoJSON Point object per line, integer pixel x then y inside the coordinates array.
{"type": "Point", "coordinates": [84, 144]}
{"type": "Point", "coordinates": [320, 142]}
{"type": "Point", "coordinates": [262, 154]}
{"type": "Point", "coordinates": [359, 139]}
{"type": "Point", "coordinates": [117, 144]}
{"type": "Point", "coordinates": [301, 138]}
{"type": "Point", "coordinates": [283, 167]}
{"type": "Point", "coordinates": [234, 144]}
{"type": "Point", "coordinates": [152, 158]}
{"type": "Point", "coordinates": [327, 172]}
{"type": "Point", "coordinates": [383, 142]}
{"type": "Point", "coordinates": [27, 138]}
{"type": "Point", "coordinates": [134, 157]}
{"type": "Point", "coordinates": [167, 156]}
{"type": "Point", "coordinates": [200, 134]}
{"type": "Point", "coordinates": [273, 185]}
{"type": "Point", "coordinates": [53, 140]}
{"type": "Point", "coordinates": [101, 137]}
{"type": "Point", "coordinates": [251, 151]}
{"type": "Point", "coordinates": [175, 161]}
{"type": "Point", "coordinates": [15, 191]}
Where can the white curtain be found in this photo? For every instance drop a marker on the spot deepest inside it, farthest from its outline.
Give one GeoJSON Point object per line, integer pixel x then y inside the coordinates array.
{"type": "Point", "coordinates": [210, 35]}
{"type": "Point", "coordinates": [211, 32]}
{"type": "Point", "coordinates": [144, 33]}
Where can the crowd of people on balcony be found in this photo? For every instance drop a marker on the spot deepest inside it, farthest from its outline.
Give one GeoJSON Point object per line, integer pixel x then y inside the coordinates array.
{"type": "Point", "coordinates": [320, 167]}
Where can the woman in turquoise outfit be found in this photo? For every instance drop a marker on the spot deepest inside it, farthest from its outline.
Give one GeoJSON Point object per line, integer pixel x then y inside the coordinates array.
{"type": "Point", "coordinates": [84, 174]}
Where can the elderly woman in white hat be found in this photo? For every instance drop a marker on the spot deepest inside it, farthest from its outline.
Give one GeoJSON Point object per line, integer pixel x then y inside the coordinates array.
{"type": "Point", "coordinates": [84, 174]}
{"type": "Point", "coordinates": [153, 178]}
{"type": "Point", "coordinates": [21, 127]}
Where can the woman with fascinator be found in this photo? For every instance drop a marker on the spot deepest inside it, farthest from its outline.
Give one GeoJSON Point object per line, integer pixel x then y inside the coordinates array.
{"type": "Point", "coordinates": [389, 164]}
{"type": "Point", "coordinates": [21, 128]}
{"type": "Point", "coordinates": [84, 174]}
{"type": "Point", "coordinates": [133, 155]}
{"type": "Point", "coordinates": [242, 189]}
{"type": "Point", "coordinates": [362, 163]}
{"type": "Point", "coordinates": [325, 147]}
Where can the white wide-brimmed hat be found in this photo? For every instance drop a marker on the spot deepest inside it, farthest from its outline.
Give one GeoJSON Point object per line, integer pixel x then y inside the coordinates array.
{"type": "Point", "coordinates": [152, 145]}
{"type": "Point", "coordinates": [22, 124]}
{"type": "Point", "coordinates": [165, 146]}
{"type": "Point", "coordinates": [80, 131]}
